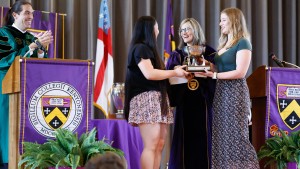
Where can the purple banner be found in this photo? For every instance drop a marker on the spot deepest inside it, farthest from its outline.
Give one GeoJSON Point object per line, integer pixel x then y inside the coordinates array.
{"type": "Point", "coordinates": [54, 23]}
{"type": "Point", "coordinates": [283, 101]}
{"type": "Point", "coordinates": [54, 94]}
{"type": "Point", "coordinates": [3, 11]}
{"type": "Point", "coordinates": [169, 33]}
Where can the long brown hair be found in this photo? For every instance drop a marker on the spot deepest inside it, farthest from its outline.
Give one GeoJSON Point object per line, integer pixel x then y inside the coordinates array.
{"type": "Point", "coordinates": [238, 26]}
{"type": "Point", "coordinates": [143, 32]}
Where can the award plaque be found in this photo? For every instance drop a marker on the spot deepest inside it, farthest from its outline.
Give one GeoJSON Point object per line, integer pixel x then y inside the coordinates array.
{"type": "Point", "coordinates": [118, 97]}
{"type": "Point", "coordinates": [194, 59]}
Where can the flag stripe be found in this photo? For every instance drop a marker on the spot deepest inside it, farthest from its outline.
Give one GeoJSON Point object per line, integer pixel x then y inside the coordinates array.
{"type": "Point", "coordinates": [100, 75]}
{"type": "Point", "coordinates": [104, 72]}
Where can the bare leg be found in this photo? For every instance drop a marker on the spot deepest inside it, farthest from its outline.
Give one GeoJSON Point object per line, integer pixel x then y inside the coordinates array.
{"type": "Point", "coordinates": [160, 145]}
{"type": "Point", "coordinates": [150, 134]}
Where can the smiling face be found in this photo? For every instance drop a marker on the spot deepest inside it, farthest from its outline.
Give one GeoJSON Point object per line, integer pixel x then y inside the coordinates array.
{"type": "Point", "coordinates": [24, 18]}
{"type": "Point", "coordinates": [224, 24]}
{"type": "Point", "coordinates": [187, 33]}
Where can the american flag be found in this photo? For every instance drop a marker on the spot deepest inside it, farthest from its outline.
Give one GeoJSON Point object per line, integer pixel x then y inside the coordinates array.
{"type": "Point", "coordinates": [104, 68]}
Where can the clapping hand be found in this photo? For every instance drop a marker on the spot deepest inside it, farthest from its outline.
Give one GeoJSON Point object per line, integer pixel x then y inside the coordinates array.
{"type": "Point", "coordinates": [45, 38]}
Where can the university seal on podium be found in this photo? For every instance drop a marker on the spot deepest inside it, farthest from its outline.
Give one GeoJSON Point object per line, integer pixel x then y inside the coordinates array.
{"type": "Point", "coordinates": [288, 103]}
{"type": "Point", "coordinates": [55, 105]}
{"type": "Point", "coordinates": [56, 110]}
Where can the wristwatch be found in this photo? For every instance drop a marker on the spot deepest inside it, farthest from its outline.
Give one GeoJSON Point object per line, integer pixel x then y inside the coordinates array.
{"type": "Point", "coordinates": [38, 43]}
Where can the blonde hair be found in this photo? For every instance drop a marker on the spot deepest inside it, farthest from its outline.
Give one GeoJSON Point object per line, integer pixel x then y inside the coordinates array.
{"type": "Point", "coordinates": [199, 38]}
{"type": "Point", "coordinates": [238, 25]}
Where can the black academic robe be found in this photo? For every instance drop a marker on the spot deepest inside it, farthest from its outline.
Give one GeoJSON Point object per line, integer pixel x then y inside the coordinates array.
{"type": "Point", "coordinates": [191, 143]}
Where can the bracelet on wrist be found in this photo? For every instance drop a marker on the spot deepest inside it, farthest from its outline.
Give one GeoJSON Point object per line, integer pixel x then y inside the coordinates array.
{"type": "Point", "coordinates": [214, 75]}
{"type": "Point", "coordinates": [38, 43]}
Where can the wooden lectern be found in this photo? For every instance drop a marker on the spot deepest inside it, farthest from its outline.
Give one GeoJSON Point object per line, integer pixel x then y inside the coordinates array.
{"type": "Point", "coordinates": [257, 88]}
{"type": "Point", "coordinates": [257, 83]}
{"type": "Point", "coordinates": [11, 86]}
{"type": "Point", "coordinates": [59, 85]}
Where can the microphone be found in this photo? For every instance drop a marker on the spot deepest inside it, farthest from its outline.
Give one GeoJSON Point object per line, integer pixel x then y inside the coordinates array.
{"type": "Point", "coordinates": [290, 65]}
{"type": "Point", "coordinates": [277, 61]}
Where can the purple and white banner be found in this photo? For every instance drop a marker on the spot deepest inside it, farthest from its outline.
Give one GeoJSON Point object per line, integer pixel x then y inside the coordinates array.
{"type": "Point", "coordinates": [283, 101]}
{"type": "Point", "coordinates": [54, 94]}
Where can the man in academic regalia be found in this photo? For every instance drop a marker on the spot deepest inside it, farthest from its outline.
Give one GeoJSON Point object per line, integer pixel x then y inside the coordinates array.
{"type": "Point", "coordinates": [16, 41]}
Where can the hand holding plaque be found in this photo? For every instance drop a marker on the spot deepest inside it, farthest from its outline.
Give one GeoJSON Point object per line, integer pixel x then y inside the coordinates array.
{"type": "Point", "coordinates": [194, 58]}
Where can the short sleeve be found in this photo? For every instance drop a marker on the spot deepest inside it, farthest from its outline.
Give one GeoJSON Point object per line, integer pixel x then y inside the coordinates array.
{"type": "Point", "coordinates": [142, 51]}
{"type": "Point", "coordinates": [244, 44]}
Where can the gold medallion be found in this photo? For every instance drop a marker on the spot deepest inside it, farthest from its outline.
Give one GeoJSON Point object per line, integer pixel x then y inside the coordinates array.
{"type": "Point", "coordinates": [193, 84]}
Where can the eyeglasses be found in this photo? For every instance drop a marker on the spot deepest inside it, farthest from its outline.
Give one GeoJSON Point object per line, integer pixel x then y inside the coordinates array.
{"type": "Point", "coordinates": [185, 30]}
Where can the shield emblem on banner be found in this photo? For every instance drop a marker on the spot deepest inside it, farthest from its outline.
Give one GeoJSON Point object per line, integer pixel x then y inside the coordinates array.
{"type": "Point", "coordinates": [56, 110]}
{"type": "Point", "coordinates": [288, 103]}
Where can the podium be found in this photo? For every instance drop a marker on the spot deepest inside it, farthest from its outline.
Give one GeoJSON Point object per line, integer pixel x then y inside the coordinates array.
{"type": "Point", "coordinates": [11, 86]}
{"type": "Point", "coordinates": [274, 93]}
{"type": "Point", "coordinates": [44, 95]}
{"type": "Point", "coordinates": [257, 88]}
{"type": "Point", "coordinates": [258, 95]}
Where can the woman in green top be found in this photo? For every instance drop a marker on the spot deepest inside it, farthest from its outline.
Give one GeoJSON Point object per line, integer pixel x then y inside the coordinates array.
{"type": "Point", "coordinates": [16, 41]}
{"type": "Point", "coordinates": [231, 147]}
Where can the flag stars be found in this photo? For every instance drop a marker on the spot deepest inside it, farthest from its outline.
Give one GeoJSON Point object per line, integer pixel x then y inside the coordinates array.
{"type": "Point", "coordinates": [104, 55]}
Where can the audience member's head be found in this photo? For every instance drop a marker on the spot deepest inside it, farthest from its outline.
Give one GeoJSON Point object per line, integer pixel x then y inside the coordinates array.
{"type": "Point", "coordinates": [109, 160]}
